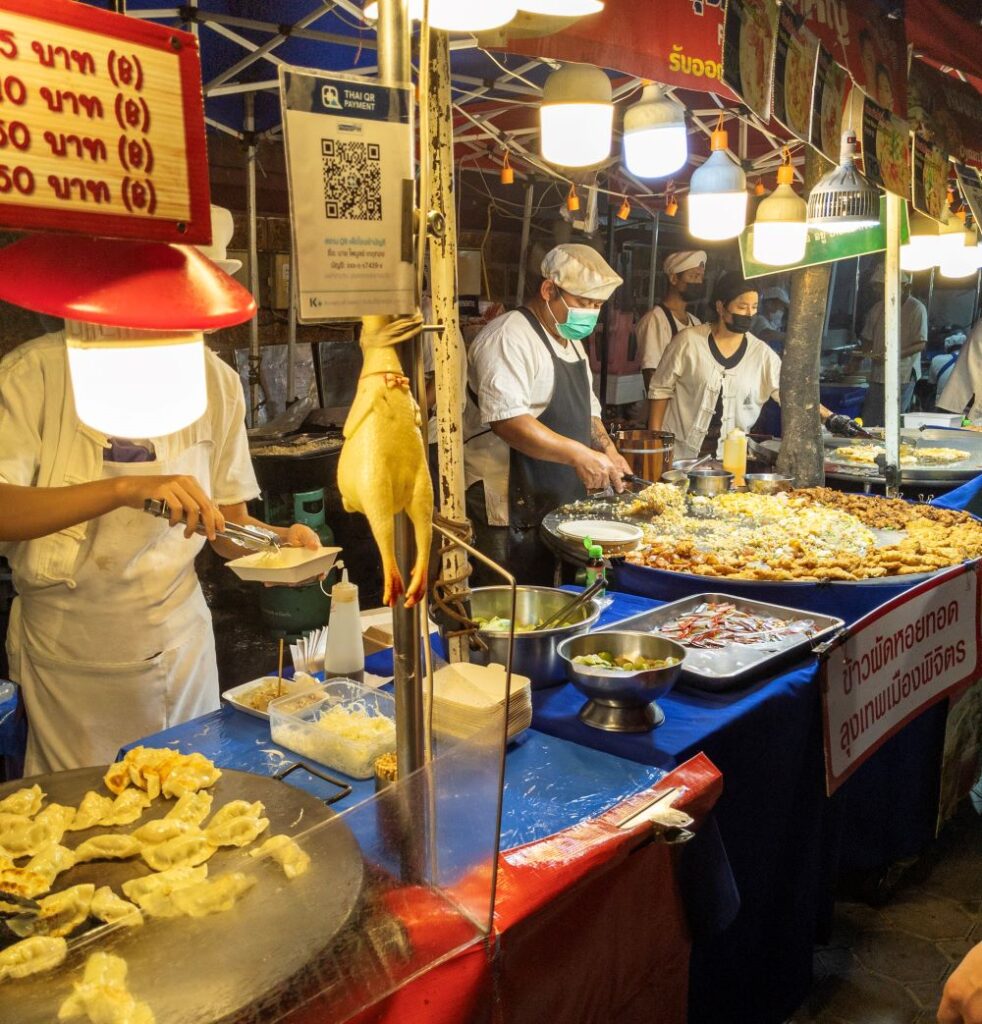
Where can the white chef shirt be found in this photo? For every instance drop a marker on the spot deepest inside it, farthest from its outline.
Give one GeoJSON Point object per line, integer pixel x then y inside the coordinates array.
{"type": "Point", "coordinates": [510, 372]}
{"type": "Point", "coordinates": [964, 383]}
{"type": "Point", "coordinates": [44, 444]}
{"type": "Point", "coordinates": [654, 332]}
{"type": "Point", "coordinates": [691, 377]}
{"type": "Point", "coordinates": [913, 328]}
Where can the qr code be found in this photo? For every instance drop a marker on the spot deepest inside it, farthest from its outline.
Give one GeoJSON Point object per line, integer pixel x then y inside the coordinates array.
{"type": "Point", "coordinates": [352, 180]}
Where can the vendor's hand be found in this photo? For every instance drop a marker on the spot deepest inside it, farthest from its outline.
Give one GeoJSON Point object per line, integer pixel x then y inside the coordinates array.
{"type": "Point", "coordinates": [300, 536]}
{"type": "Point", "coordinates": [961, 1000]}
{"type": "Point", "coordinates": [184, 495]}
{"type": "Point", "coordinates": [598, 470]}
{"type": "Point", "coordinates": [620, 462]}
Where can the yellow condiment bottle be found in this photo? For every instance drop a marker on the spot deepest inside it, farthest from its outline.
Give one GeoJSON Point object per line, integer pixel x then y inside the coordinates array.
{"type": "Point", "coordinates": [735, 455]}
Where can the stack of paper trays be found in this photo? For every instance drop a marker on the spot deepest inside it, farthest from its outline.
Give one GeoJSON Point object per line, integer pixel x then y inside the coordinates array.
{"type": "Point", "coordinates": [471, 698]}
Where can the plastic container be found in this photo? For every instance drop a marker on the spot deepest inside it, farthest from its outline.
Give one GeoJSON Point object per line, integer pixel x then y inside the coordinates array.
{"type": "Point", "coordinates": [320, 729]}
{"type": "Point", "coordinates": [932, 419]}
{"type": "Point", "coordinates": [735, 455]}
{"type": "Point", "coordinates": [345, 653]}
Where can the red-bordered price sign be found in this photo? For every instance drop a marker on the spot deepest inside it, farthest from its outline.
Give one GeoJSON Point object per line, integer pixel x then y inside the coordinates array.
{"type": "Point", "coordinates": [102, 126]}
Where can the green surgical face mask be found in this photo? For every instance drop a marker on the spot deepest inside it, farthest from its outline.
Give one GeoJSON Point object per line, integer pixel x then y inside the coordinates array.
{"type": "Point", "coordinates": [579, 323]}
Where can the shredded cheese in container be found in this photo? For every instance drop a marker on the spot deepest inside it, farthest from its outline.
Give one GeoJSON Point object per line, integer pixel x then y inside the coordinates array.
{"type": "Point", "coordinates": [346, 737]}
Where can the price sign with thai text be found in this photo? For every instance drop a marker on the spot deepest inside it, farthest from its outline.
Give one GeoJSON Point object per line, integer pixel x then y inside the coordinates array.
{"type": "Point", "coordinates": [101, 124]}
{"type": "Point", "coordinates": [896, 662]}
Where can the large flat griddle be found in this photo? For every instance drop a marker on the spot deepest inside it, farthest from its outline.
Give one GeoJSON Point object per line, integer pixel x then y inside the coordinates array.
{"type": "Point", "coordinates": [928, 476]}
{"type": "Point", "coordinates": [237, 966]}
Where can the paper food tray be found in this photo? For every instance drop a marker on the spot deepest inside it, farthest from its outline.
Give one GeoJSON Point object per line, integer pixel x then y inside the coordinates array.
{"type": "Point", "coordinates": [287, 565]}
{"type": "Point", "coordinates": [235, 695]}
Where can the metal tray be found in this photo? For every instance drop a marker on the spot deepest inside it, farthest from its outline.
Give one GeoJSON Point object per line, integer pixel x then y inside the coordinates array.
{"type": "Point", "coordinates": [736, 664]}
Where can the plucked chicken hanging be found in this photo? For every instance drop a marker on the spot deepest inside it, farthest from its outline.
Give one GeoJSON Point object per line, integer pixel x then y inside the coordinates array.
{"type": "Point", "coordinates": [382, 469]}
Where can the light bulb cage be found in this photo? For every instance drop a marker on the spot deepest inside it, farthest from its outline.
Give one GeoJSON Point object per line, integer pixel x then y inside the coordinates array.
{"type": "Point", "coordinates": [843, 200]}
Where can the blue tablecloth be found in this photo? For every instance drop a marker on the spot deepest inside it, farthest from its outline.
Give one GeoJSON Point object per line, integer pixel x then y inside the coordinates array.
{"type": "Point", "coordinates": [785, 840]}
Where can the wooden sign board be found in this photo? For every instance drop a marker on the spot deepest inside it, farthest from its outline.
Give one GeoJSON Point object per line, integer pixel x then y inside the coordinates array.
{"type": "Point", "coordinates": [101, 125]}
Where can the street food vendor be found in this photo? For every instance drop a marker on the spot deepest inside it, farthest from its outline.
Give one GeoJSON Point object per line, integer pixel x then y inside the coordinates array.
{"type": "Point", "coordinates": [716, 376]}
{"type": "Point", "coordinates": [110, 637]}
{"type": "Point", "coordinates": [533, 437]}
{"type": "Point", "coordinates": [913, 339]}
{"type": "Point", "coordinates": [962, 391]}
{"type": "Point", "coordinates": [685, 273]}
{"type": "Point", "coordinates": [771, 322]}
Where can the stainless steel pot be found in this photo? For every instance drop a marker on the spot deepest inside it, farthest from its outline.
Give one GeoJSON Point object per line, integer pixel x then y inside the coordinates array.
{"type": "Point", "coordinates": [709, 482]}
{"type": "Point", "coordinates": [535, 651]}
{"type": "Point", "coordinates": [768, 483]}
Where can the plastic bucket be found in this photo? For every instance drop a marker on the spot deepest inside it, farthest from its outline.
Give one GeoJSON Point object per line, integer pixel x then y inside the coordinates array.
{"type": "Point", "coordinates": [647, 452]}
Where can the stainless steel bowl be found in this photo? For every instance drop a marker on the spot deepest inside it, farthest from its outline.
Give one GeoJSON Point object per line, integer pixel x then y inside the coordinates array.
{"type": "Point", "coordinates": [622, 701]}
{"type": "Point", "coordinates": [768, 483]}
{"type": "Point", "coordinates": [677, 477]}
{"type": "Point", "coordinates": [709, 482]}
{"type": "Point", "coordinates": [535, 652]}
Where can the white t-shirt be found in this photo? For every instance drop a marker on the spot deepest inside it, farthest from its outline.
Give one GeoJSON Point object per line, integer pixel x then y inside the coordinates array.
{"type": "Point", "coordinates": [654, 332]}
{"type": "Point", "coordinates": [964, 383]}
{"type": "Point", "coordinates": [913, 328]}
{"type": "Point", "coordinates": [691, 377]}
{"type": "Point", "coordinates": [510, 372]}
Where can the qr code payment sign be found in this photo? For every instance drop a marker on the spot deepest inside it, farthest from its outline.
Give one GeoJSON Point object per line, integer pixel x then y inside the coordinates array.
{"type": "Point", "coordinates": [352, 175]}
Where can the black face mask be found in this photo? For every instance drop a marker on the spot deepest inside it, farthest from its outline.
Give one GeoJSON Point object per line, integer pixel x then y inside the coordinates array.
{"type": "Point", "coordinates": [693, 291]}
{"type": "Point", "coordinates": [739, 322]}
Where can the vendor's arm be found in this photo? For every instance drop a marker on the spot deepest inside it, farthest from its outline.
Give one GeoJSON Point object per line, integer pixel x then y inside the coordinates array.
{"type": "Point", "coordinates": [27, 513]}
{"type": "Point", "coordinates": [656, 412]}
{"type": "Point", "coordinates": [596, 469]}
{"type": "Point", "coordinates": [961, 1001]}
{"type": "Point", "coordinates": [296, 536]}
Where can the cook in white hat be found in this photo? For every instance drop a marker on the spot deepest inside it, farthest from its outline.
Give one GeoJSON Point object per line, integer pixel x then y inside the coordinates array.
{"type": "Point", "coordinates": [771, 322]}
{"type": "Point", "coordinates": [533, 436]}
{"type": "Point", "coordinates": [685, 274]}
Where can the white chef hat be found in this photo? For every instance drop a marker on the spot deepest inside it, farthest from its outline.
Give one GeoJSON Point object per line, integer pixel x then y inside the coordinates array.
{"type": "Point", "coordinates": [879, 276]}
{"type": "Point", "coordinates": [776, 293]}
{"type": "Point", "coordinates": [581, 271]}
{"type": "Point", "coordinates": [222, 229]}
{"type": "Point", "coordinates": [679, 261]}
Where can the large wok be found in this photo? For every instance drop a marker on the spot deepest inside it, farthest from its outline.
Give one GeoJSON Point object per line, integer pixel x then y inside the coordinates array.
{"type": "Point", "coordinates": [241, 965]}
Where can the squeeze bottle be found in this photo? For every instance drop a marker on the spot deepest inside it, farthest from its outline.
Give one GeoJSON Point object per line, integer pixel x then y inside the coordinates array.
{"type": "Point", "coordinates": [596, 567]}
{"type": "Point", "coordinates": [735, 455]}
{"type": "Point", "coordinates": [345, 653]}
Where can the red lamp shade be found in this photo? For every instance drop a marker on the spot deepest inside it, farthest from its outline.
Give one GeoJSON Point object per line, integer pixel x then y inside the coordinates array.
{"type": "Point", "coordinates": [149, 286]}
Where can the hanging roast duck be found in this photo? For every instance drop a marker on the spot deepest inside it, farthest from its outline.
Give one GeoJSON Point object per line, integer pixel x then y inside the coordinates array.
{"type": "Point", "coordinates": [382, 469]}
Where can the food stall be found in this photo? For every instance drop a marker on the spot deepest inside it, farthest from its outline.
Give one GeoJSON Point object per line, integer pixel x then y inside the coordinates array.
{"type": "Point", "coordinates": [454, 889]}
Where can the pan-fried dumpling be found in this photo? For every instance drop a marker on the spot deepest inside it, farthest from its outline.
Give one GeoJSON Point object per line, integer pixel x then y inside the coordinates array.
{"type": "Point", "coordinates": [286, 853]}
{"type": "Point", "coordinates": [126, 808]}
{"type": "Point", "coordinates": [22, 882]}
{"type": "Point", "coordinates": [236, 831]}
{"type": "Point", "coordinates": [192, 807]}
{"type": "Point", "coordinates": [50, 861]}
{"type": "Point", "coordinates": [31, 956]}
{"type": "Point", "coordinates": [25, 801]}
{"type": "Point", "coordinates": [161, 829]}
{"type": "Point", "coordinates": [195, 772]}
{"type": "Point", "coordinates": [184, 851]}
{"type": "Point", "coordinates": [108, 848]}
{"type": "Point", "coordinates": [237, 809]}
{"type": "Point", "coordinates": [102, 995]}
{"type": "Point", "coordinates": [60, 914]}
{"type": "Point", "coordinates": [93, 808]}
{"type": "Point", "coordinates": [212, 897]}
{"type": "Point", "coordinates": [58, 817]}
{"type": "Point", "coordinates": [113, 909]}
{"type": "Point", "coordinates": [117, 777]}
{"type": "Point", "coordinates": [144, 890]}
{"type": "Point", "coordinates": [22, 837]}
{"type": "Point", "coordinates": [143, 767]}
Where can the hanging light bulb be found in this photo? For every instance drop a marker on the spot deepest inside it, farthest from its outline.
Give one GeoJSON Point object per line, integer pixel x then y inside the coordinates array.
{"type": "Point", "coordinates": [843, 200]}
{"type": "Point", "coordinates": [561, 8]}
{"type": "Point", "coordinates": [718, 193]}
{"type": "Point", "coordinates": [507, 171]}
{"type": "Point", "coordinates": [655, 143]}
{"type": "Point", "coordinates": [572, 200]}
{"type": "Point", "coordinates": [780, 228]}
{"type": "Point", "coordinates": [759, 189]}
{"type": "Point", "coordinates": [961, 257]}
{"type": "Point", "coordinates": [457, 15]}
{"type": "Point", "coordinates": [625, 209]}
{"type": "Point", "coordinates": [576, 116]}
{"type": "Point", "coordinates": [671, 203]}
{"type": "Point", "coordinates": [917, 255]}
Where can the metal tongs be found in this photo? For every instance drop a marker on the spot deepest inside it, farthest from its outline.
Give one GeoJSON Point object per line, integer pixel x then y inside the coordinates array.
{"type": "Point", "coordinates": [564, 613]}
{"type": "Point", "coordinates": [253, 537]}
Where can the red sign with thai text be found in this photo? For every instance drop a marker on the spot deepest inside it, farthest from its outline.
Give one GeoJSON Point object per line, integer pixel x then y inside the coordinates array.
{"type": "Point", "coordinates": [895, 663]}
{"type": "Point", "coordinates": [101, 124]}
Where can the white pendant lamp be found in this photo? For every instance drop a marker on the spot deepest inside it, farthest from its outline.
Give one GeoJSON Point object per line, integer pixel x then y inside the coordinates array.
{"type": "Point", "coordinates": [561, 8]}
{"type": "Point", "coordinates": [780, 227]}
{"type": "Point", "coordinates": [457, 15]}
{"type": "Point", "coordinates": [718, 193]}
{"type": "Point", "coordinates": [136, 384]}
{"type": "Point", "coordinates": [961, 257]}
{"type": "Point", "coordinates": [843, 200]}
{"type": "Point", "coordinates": [576, 116]}
{"type": "Point", "coordinates": [917, 254]}
{"type": "Point", "coordinates": [655, 143]}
